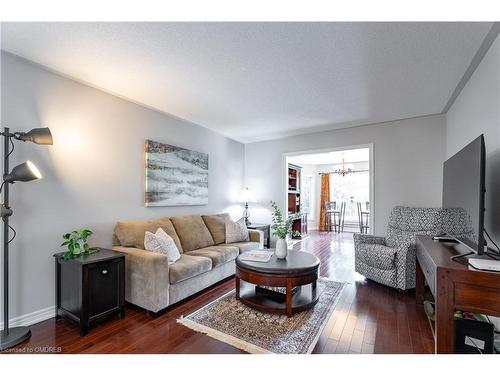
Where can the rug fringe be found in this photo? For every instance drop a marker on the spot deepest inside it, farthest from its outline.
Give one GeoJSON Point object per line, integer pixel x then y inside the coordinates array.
{"type": "Point", "coordinates": [231, 340]}
{"type": "Point", "coordinates": [246, 346]}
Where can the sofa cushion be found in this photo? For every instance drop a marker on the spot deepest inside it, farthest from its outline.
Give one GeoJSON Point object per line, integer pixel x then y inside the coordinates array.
{"type": "Point", "coordinates": [216, 226]}
{"type": "Point", "coordinates": [188, 266]}
{"type": "Point", "coordinates": [236, 231]}
{"type": "Point", "coordinates": [192, 232]}
{"type": "Point", "coordinates": [131, 233]}
{"type": "Point", "coordinates": [244, 246]}
{"type": "Point", "coordinates": [378, 256]}
{"type": "Point", "coordinates": [160, 242]}
{"type": "Point", "coordinates": [217, 254]}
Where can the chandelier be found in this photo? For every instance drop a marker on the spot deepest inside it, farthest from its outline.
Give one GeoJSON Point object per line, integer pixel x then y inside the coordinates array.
{"type": "Point", "coordinates": [343, 171]}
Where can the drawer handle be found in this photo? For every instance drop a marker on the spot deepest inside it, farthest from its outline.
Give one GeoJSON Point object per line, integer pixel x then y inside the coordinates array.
{"type": "Point", "coordinates": [104, 272]}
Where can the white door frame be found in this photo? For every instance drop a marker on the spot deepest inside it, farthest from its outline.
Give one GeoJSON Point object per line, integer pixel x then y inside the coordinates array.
{"type": "Point", "coordinates": [284, 180]}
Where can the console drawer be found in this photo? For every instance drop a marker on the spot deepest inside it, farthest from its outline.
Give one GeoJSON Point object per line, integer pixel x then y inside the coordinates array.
{"type": "Point", "coordinates": [428, 269]}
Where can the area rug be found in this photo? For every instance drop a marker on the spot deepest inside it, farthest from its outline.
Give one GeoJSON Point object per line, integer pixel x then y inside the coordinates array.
{"type": "Point", "coordinates": [234, 323]}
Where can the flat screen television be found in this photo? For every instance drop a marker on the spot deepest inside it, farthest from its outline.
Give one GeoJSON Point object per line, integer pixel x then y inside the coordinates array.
{"type": "Point", "coordinates": [464, 188]}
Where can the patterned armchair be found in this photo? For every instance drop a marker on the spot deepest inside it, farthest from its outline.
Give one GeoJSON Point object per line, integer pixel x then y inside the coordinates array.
{"type": "Point", "coordinates": [391, 260]}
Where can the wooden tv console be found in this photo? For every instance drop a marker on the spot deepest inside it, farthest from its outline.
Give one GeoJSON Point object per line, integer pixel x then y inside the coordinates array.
{"type": "Point", "coordinates": [454, 285]}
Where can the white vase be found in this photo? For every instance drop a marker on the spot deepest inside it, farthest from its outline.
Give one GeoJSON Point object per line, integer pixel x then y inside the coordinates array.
{"type": "Point", "coordinates": [281, 248]}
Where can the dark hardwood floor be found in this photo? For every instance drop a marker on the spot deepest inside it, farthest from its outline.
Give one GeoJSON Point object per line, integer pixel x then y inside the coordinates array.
{"type": "Point", "coordinates": [369, 318]}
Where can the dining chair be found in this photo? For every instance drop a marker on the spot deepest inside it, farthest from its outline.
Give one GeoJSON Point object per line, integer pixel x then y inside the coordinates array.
{"type": "Point", "coordinates": [334, 212]}
{"type": "Point", "coordinates": [363, 216]}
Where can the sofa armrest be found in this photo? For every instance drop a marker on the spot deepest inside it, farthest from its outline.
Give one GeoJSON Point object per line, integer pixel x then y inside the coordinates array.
{"type": "Point", "coordinates": [256, 236]}
{"type": "Point", "coordinates": [146, 278]}
{"type": "Point", "coordinates": [368, 239]}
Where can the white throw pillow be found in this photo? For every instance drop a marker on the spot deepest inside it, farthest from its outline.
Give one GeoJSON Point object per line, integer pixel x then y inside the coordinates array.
{"type": "Point", "coordinates": [236, 231]}
{"type": "Point", "coordinates": [160, 242]}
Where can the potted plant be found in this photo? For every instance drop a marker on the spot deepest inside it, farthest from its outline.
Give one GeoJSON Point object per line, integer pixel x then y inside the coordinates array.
{"type": "Point", "coordinates": [77, 245]}
{"type": "Point", "coordinates": [282, 227]}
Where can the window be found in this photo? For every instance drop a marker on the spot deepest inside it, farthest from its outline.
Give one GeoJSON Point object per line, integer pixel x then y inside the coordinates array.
{"type": "Point", "coordinates": [307, 191]}
{"type": "Point", "coordinates": [351, 188]}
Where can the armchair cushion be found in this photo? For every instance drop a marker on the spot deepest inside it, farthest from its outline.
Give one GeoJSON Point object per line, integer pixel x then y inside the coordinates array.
{"type": "Point", "coordinates": [456, 222]}
{"type": "Point", "coordinates": [406, 222]}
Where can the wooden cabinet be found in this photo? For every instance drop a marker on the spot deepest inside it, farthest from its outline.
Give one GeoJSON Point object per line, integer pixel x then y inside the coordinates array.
{"type": "Point", "coordinates": [294, 199]}
{"type": "Point", "coordinates": [90, 288]}
{"type": "Point", "coordinates": [454, 286]}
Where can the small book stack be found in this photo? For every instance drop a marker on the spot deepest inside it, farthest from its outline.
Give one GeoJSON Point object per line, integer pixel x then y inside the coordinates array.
{"type": "Point", "coordinates": [257, 256]}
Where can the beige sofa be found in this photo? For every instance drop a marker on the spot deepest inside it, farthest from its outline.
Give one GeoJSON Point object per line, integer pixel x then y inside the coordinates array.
{"type": "Point", "coordinates": [152, 283]}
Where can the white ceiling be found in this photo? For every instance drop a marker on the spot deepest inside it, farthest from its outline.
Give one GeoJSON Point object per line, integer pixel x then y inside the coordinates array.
{"type": "Point", "coordinates": [256, 81]}
{"type": "Point", "coordinates": [335, 157]}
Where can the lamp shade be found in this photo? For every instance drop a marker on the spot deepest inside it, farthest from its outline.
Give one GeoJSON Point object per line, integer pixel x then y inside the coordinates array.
{"type": "Point", "coordinates": [23, 172]}
{"type": "Point", "coordinates": [40, 136]}
{"type": "Point", "coordinates": [246, 196]}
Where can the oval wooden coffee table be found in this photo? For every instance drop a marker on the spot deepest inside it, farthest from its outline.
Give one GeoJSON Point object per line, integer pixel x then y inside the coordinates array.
{"type": "Point", "coordinates": [299, 269]}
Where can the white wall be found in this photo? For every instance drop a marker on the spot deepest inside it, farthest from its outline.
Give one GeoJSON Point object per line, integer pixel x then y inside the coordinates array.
{"type": "Point", "coordinates": [476, 111]}
{"type": "Point", "coordinates": [408, 161]}
{"type": "Point", "coordinates": [94, 172]}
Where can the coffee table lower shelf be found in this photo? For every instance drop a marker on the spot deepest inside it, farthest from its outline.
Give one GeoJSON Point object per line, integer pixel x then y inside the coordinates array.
{"type": "Point", "coordinates": [299, 269]}
{"type": "Point", "coordinates": [303, 299]}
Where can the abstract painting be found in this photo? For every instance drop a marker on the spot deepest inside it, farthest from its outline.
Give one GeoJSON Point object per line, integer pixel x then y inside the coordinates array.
{"type": "Point", "coordinates": [175, 176]}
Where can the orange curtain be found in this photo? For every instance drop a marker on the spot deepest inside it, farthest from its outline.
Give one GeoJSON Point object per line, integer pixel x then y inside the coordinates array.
{"type": "Point", "coordinates": [325, 197]}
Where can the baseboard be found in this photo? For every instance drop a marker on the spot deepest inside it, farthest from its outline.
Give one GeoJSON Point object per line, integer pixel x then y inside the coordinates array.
{"type": "Point", "coordinates": [31, 318]}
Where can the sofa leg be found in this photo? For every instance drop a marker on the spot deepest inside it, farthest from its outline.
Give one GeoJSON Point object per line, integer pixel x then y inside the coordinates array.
{"type": "Point", "coordinates": [157, 314]}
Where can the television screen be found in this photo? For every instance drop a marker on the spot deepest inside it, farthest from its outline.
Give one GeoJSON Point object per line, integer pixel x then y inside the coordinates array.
{"type": "Point", "coordinates": [463, 194]}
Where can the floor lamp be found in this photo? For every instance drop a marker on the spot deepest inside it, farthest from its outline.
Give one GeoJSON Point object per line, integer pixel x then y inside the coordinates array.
{"type": "Point", "coordinates": [26, 171]}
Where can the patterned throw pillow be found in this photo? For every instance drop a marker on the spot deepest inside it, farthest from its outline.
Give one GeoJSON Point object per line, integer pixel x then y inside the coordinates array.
{"type": "Point", "coordinates": [236, 231]}
{"type": "Point", "coordinates": [160, 242]}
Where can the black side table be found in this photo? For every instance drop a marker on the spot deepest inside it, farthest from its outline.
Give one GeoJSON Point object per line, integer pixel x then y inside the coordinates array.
{"type": "Point", "coordinates": [266, 228]}
{"type": "Point", "coordinates": [90, 287]}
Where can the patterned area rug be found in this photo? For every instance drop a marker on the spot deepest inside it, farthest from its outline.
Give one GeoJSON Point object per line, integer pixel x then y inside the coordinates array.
{"type": "Point", "coordinates": [232, 322]}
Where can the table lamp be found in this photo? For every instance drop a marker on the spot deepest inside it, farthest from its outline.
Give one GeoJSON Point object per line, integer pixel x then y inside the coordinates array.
{"type": "Point", "coordinates": [246, 197]}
